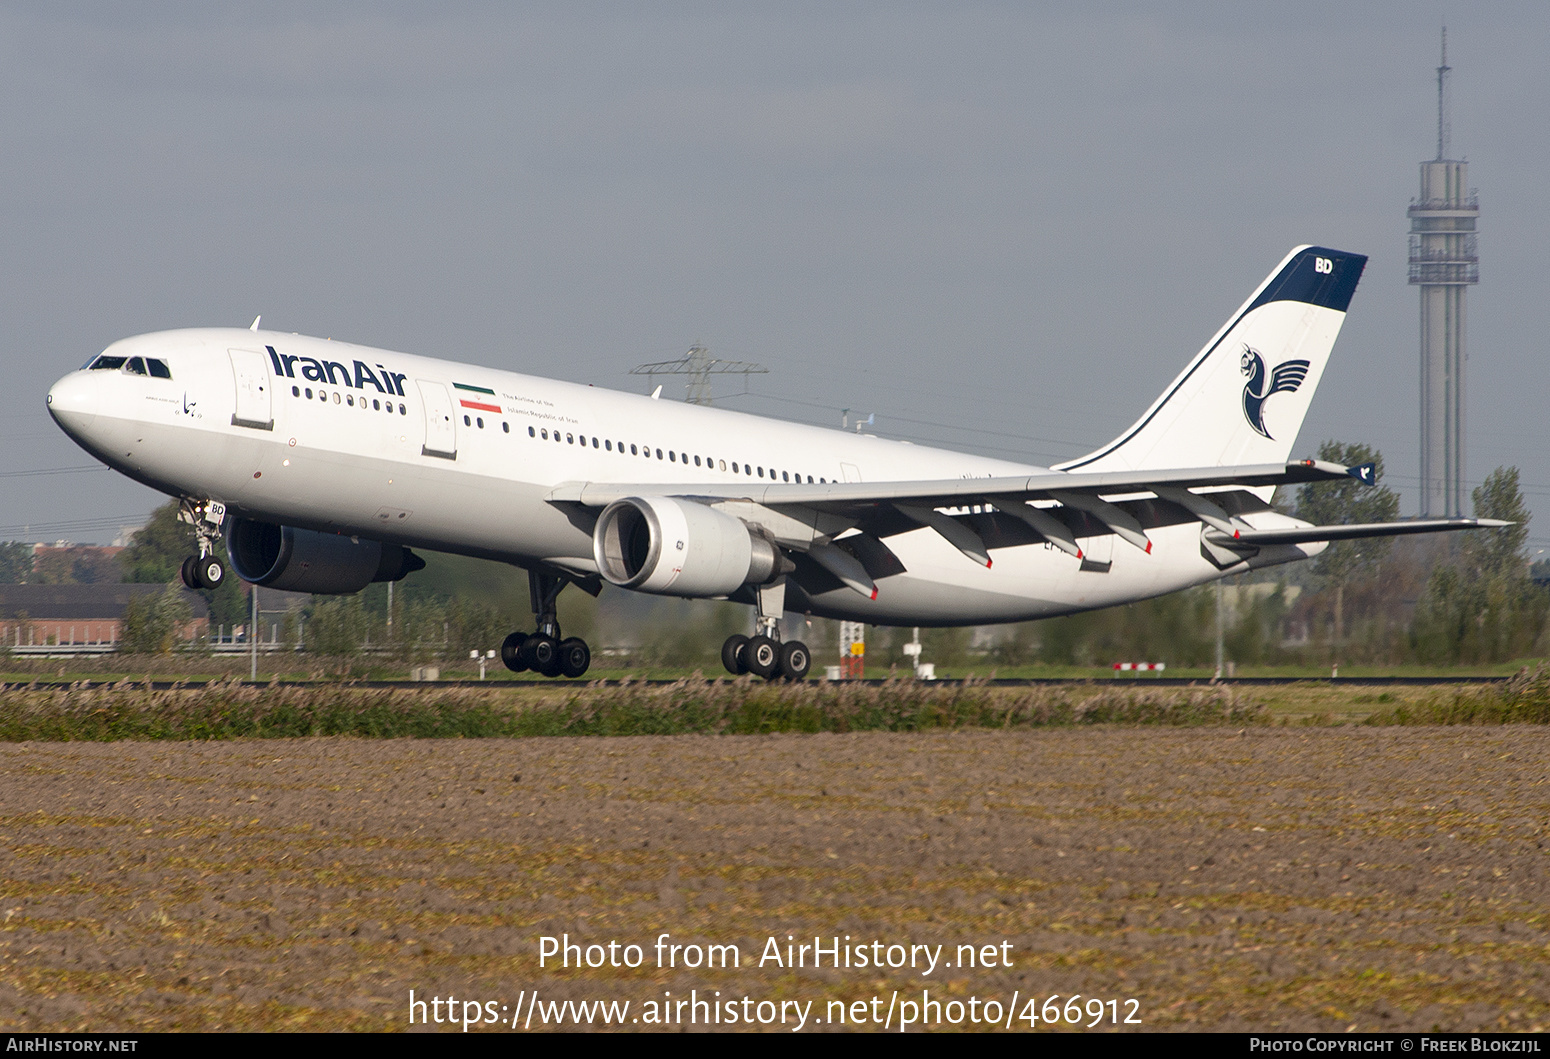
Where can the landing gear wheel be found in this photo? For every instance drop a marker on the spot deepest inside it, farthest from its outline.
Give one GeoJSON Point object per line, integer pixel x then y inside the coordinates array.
{"type": "Point", "coordinates": [511, 652]}
{"type": "Point", "coordinates": [189, 572]}
{"type": "Point", "coordinates": [762, 657]}
{"type": "Point", "coordinates": [209, 572]}
{"type": "Point", "coordinates": [541, 653]}
{"type": "Point", "coordinates": [795, 660]}
{"type": "Point", "coordinates": [732, 655]}
{"type": "Point", "coordinates": [574, 656]}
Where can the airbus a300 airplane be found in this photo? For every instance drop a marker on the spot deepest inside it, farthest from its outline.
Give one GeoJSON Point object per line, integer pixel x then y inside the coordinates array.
{"type": "Point", "coordinates": [323, 463]}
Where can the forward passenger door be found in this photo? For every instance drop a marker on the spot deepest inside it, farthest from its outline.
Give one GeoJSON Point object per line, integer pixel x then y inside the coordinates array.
{"type": "Point", "coordinates": [440, 427]}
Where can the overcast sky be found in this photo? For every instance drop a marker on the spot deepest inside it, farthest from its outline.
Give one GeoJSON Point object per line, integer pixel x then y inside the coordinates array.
{"type": "Point", "coordinates": [1003, 228]}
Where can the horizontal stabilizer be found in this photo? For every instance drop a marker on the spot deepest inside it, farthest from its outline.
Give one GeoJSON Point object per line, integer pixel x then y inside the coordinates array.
{"type": "Point", "coordinates": [1309, 534]}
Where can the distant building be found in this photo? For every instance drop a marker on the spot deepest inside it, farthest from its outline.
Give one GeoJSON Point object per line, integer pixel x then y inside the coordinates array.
{"type": "Point", "coordinates": [32, 615]}
{"type": "Point", "coordinates": [1444, 263]}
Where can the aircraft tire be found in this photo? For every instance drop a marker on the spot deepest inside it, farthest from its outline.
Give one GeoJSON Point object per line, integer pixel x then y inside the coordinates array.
{"type": "Point", "coordinates": [540, 653]}
{"type": "Point", "coordinates": [732, 655]}
{"type": "Point", "coordinates": [209, 572]}
{"type": "Point", "coordinates": [762, 657]}
{"type": "Point", "coordinates": [511, 652]}
{"type": "Point", "coordinates": [575, 657]}
{"type": "Point", "coordinates": [189, 573]}
{"type": "Point", "coordinates": [795, 660]}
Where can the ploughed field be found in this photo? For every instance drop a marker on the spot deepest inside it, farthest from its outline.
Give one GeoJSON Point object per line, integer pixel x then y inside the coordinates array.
{"type": "Point", "coordinates": [1263, 878]}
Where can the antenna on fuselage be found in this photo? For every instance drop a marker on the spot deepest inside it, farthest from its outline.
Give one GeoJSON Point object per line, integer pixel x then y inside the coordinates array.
{"type": "Point", "coordinates": [256, 319]}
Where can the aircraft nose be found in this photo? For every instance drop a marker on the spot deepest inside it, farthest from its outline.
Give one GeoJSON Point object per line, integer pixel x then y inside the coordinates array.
{"type": "Point", "coordinates": [72, 401]}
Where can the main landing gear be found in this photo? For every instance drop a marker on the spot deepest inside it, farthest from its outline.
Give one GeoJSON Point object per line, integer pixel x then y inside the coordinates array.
{"type": "Point", "coordinates": [763, 654]}
{"type": "Point", "coordinates": [203, 570]}
{"type": "Point", "coordinates": [544, 652]}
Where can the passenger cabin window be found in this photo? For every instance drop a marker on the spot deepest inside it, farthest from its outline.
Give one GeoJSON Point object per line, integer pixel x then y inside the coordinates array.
{"type": "Point", "coordinates": [530, 432]}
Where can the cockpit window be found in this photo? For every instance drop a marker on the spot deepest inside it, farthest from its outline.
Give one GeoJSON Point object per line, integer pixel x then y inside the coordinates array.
{"type": "Point", "coordinates": [158, 368]}
{"type": "Point", "coordinates": [136, 366]}
{"type": "Point", "coordinates": [106, 363]}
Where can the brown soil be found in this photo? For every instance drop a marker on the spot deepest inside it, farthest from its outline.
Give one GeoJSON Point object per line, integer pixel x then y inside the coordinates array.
{"type": "Point", "coordinates": [1316, 879]}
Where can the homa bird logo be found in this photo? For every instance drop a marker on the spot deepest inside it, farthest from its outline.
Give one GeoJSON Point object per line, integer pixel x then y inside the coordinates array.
{"type": "Point", "coordinates": [1284, 379]}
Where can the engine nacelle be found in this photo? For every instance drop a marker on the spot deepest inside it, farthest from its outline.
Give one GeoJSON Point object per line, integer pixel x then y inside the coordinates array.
{"type": "Point", "coordinates": [679, 548]}
{"type": "Point", "coordinates": [300, 560]}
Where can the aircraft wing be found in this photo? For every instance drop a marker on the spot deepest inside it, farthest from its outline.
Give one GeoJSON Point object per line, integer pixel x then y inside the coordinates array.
{"type": "Point", "coordinates": [843, 525]}
{"type": "Point", "coordinates": [846, 497]}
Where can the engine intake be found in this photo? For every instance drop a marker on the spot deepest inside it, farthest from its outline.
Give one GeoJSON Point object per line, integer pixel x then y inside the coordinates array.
{"type": "Point", "coordinates": [300, 560]}
{"type": "Point", "coordinates": [680, 548]}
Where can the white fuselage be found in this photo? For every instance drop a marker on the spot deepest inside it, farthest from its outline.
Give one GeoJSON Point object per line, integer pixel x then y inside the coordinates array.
{"type": "Point", "coordinates": [458, 458]}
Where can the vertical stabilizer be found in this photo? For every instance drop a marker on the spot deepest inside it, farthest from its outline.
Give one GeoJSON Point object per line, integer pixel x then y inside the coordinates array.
{"type": "Point", "coordinates": [1243, 397]}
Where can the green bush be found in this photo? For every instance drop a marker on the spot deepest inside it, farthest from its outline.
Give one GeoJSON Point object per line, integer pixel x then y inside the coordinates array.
{"type": "Point", "coordinates": [151, 624]}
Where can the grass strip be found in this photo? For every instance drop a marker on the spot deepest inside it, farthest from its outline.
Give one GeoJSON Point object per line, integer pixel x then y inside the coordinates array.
{"type": "Point", "coordinates": [1525, 699]}
{"type": "Point", "coordinates": [232, 711]}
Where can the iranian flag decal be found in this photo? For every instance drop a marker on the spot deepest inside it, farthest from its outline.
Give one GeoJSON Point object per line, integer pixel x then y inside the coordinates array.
{"type": "Point", "coordinates": [480, 405]}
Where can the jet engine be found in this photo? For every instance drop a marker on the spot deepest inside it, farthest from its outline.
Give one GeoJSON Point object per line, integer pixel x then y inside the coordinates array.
{"type": "Point", "coordinates": [300, 560]}
{"type": "Point", "coordinates": [680, 548]}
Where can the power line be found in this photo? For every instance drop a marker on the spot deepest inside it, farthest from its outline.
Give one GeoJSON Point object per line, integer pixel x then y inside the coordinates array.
{"type": "Point", "coordinates": [70, 525]}
{"type": "Point", "coordinates": [925, 422]}
{"type": "Point", "coordinates": [52, 470]}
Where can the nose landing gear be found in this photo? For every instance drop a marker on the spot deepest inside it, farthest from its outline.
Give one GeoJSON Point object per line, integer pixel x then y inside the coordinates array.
{"type": "Point", "coordinates": [203, 570]}
{"type": "Point", "coordinates": [764, 655]}
{"type": "Point", "coordinates": [543, 651]}
{"type": "Point", "coordinates": [207, 572]}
